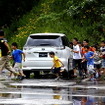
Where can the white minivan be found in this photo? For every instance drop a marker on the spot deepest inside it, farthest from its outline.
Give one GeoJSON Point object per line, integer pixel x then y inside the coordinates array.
{"type": "Point", "coordinates": [37, 50]}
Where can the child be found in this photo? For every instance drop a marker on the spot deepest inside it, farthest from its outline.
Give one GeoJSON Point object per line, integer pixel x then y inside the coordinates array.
{"type": "Point", "coordinates": [97, 62]}
{"type": "Point", "coordinates": [17, 57]}
{"type": "Point", "coordinates": [57, 65]}
{"type": "Point", "coordinates": [102, 50]}
{"type": "Point", "coordinates": [84, 64]}
{"type": "Point", "coordinates": [76, 57]}
{"type": "Point", "coordinates": [89, 57]}
{"type": "Point", "coordinates": [5, 50]}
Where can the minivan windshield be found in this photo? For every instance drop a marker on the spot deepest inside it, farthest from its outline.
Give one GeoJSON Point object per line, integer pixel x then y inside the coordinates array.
{"type": "Point", "coordinates": [44, 41]}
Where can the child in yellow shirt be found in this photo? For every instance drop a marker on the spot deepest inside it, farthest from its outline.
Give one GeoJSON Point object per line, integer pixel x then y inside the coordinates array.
{"type": "Point", "coordinates": [56, 68]}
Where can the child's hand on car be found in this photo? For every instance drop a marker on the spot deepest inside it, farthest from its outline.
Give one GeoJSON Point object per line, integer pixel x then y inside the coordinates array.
{"type": "Point", "coordinates": [24, 59]}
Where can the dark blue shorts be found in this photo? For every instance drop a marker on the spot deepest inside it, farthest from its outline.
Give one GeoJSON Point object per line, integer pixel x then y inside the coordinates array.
{"type": "Point", "coordinates": [56, 70]}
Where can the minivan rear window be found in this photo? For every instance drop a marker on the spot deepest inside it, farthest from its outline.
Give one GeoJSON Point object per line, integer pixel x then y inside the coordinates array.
{"type": "Point", "coordinates": [44, 41]}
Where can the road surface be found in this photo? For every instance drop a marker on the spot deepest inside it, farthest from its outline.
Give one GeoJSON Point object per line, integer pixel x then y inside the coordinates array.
{"type": "Point", "coordinates": [51, 92]}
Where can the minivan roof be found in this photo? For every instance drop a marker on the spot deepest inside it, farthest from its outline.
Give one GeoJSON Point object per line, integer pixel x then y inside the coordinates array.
{"type": "Point", "coordinates": [40, 34]}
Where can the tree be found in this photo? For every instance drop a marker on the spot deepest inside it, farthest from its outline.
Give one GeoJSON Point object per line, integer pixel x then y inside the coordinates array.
{"type": "Point", "coordinates": [14, 9]}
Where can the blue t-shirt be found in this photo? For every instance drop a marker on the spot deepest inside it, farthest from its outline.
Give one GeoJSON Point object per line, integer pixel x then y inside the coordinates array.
{"type": "Point", "coordinates": [90, 101]}
{"type": "Point", "coordinates": [90, 61]}
{"type": "Point", "coordinates": [17, 55]}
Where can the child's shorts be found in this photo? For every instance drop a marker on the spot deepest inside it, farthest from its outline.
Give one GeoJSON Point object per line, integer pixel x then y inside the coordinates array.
{"type": "Point", "coordinates": [90, 69]}
{"type": "Point", "coordinates": [18, 67]}
{"type": "Point", "coordinates": [56, 70]}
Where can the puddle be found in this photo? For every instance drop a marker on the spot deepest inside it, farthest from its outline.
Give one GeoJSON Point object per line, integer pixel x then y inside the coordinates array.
{"type": "Point", "coordinates": [50, 92]}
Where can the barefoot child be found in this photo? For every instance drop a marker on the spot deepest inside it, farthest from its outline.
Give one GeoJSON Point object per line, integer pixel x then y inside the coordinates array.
{"type": "Point", "coordinates": [57, 65]}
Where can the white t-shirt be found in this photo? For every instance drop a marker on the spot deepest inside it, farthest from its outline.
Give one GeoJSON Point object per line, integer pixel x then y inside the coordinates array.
{"type": "Point", "coordinates": [76, 102]}
{"type": "Point", "coordinates": [102, 49]}
{"type": "Point", "coordinates": [77, 55]}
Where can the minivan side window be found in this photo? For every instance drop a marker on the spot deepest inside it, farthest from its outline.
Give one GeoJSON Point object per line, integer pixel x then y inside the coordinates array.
{"type": "Point", "coordinates": [65, 41]}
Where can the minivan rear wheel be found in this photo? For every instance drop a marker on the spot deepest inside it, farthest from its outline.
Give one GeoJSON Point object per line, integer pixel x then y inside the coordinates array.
{"type": "Point", "coordinates": [27, 74]}
{"type": "Point", "coordinates": [65, 74]}
{"type": "Point", "coordinates": [36, 74]}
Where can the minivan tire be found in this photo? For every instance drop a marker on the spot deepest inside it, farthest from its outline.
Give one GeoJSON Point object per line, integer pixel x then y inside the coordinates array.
{"type": "Point", "coordinates": [27, 74]}
{"type": "Point", "coordinates": [36, 74]}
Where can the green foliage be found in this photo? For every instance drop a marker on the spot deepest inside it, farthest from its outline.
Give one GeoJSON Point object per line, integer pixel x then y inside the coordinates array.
{"type": "Point", "coordinates": [83, 19]}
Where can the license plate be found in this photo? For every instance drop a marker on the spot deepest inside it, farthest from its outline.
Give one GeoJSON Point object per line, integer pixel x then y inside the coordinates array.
{"type": "Point", "coordinates": [42, 54]}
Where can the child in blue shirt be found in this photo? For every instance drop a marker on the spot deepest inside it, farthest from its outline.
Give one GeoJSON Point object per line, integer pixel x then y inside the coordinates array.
{"type": "Point", "coordinates": [89, 57]}
{"type": "Point", "coordinates": [17, 58]}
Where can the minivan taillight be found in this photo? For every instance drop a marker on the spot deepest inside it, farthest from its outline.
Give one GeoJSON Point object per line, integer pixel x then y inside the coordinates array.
{"type": "Point", "coordinates": [27, 48]}
{"type": "Point", "coordinates": [60, 48]}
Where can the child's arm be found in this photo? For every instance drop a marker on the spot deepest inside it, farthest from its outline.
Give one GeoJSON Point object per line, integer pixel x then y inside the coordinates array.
{"type": "Point", "coordinates": [78, 50]}
{"type": "Point", "coordinates": [52, 66]}
{"type": "Point", "coordinates": [83, 60]}
{"type": "Point", "coordinates": [75, 51]}
{"type": "Point", "coordinates": [92, 56]}
{"type": "Point", "coordinates": [11, 57]}
{"type": "Point", "coordinates": [23, 56]}
{"type": "Point", "coordinates": [101, 55]}
{"type": "Point", "coordinates": [6, 44]}
{"type": "Point", "coordinates": [61, 62]}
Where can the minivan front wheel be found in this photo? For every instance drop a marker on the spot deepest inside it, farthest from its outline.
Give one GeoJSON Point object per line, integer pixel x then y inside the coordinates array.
{"type": "Point", "coordinates": [65, 72]}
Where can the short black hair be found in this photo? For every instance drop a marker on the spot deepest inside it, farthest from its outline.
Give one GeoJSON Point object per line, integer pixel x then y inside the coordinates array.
{"type": "Point", "coordinates": [86, 47]}
{"type": "Point", "coordinates": [75, 39]}
{"type": "Point", "coordinates": [1, 33]}
{"type": "Point", "coordinates": [86, 40]}
{"type": "Point", "coordinates": [15, 44]}
{"type": "Point", "coordinates": [51, 53]}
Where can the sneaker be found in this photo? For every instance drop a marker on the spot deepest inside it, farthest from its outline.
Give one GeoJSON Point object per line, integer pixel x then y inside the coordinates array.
{"type": "Point", "coordinates": [21, 77]}
{"type": "Point", "coordinates": [92, 79]}
{"type": "Point", "coordinates": [97, 75]}
{"type": "Point", "coordinates": [57, 78]}
{"type": "Point", "coordinates": [9, 77]}
{"type": "Point", "coordinates": [83, 76]}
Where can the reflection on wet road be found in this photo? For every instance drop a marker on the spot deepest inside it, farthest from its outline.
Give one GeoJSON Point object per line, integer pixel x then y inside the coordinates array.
{"type": "Point", "coordinates": [51, 92]}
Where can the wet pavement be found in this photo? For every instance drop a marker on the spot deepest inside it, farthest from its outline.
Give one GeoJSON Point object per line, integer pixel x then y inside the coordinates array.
{"type": "Point", "coordinates": [51, 92]}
